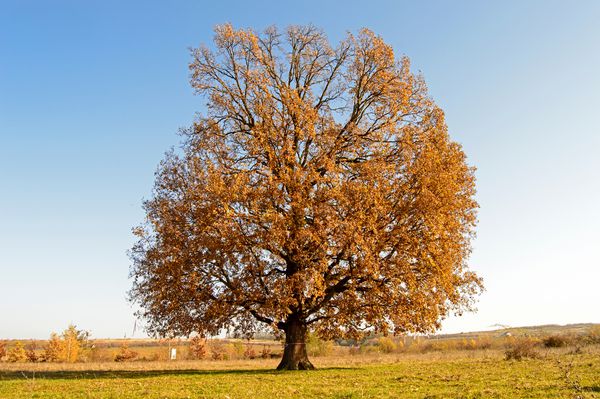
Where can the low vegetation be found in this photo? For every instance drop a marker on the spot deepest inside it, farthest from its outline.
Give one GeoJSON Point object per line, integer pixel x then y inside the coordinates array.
{"type": "Point", "coordinates": [521, 348]}
{"type": "Point", "coordinates": [74, 345]}
{"type": "Point", "coordinates": [126, 354]}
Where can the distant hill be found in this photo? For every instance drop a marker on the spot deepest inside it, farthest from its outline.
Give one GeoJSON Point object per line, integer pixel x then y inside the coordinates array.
{"type": "Point", "coordinates": [534, 331]}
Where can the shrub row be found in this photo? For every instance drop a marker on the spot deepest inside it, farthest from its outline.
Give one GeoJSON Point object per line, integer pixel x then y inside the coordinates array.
{"type": "Point", "coordinates": [66, 347]}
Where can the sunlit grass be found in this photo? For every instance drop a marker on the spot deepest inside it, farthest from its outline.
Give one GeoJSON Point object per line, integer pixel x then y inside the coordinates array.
{"type": "Point", "coordinates": [473, 374]}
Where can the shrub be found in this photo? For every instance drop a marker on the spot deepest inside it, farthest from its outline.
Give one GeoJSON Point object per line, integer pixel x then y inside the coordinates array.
{"type": "Point", "coordinates": [316, 346]}
{"type": "Point", "coordinates": [197, 347]}
{"type": "Point", "coordinates": [555, 341]}
{"type": "Point", "coordinates": [435, 345]}
{"type": "Point", "coordinates": [125, 354]}
{"type": "Point", "coordinates": [593, 336]}
{"type": "Point", "coordinates": [417, 344]}
{"type": "Point", "coordinates": [386, 345]}
{"type": "Point", "coordinates": [31, 354]}
{"type": "Point", "coordinates": [265, 353]}
{"type": "Point", "coordinates": [522, 348]}
{"type": "Point", "coordinates": [55, 349]}
{"type": "Point", "coordinates": [217, 353]}
{"type": "Point", "coordinates": [2, 350]}
{"type": "Point", "coordinates": [17, 353]}
{"type": "Point", "coordinates": [230, 351]}
{"type": "Point", "coordinates": [238, 349]}
{"type": "Point", "coordinates": [249, 353]}
{"type": "Point", "coordinates": [484, 343]}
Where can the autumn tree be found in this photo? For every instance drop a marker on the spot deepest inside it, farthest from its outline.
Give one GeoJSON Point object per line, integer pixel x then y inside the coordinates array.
{"type": "Point", "coordinates": [67, 346]}
{"type": "Point", "coordinates": [73, 340]}
{"type": "Point", "coordinates": [17, 353]}
{"type": "Point", "coordinates": [55, 349]}
{"type": "Point", "coordinates": [31, 352]}
{"type": "Point", "coordinates": [197, 347]}
{"type": "Point", "coordinates": [318, 191]}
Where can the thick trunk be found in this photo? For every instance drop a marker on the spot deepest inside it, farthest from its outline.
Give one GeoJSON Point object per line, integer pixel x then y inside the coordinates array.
{"type": "Point", "coordinates": [294, 352]}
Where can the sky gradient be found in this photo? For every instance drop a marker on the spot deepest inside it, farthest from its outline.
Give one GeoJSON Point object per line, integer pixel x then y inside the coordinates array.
{"type": "Point", "coordinates": [92, 94]}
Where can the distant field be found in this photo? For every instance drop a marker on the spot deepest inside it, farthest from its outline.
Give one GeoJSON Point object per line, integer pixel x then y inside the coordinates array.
{"type": "Point", "coordinates": [105, 350]}
{"type": "Point", "coordinates": [461, 374]}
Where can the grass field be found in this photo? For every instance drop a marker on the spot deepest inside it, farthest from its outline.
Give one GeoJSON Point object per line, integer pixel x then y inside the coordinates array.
{"type": "Point", "coordinates": [456, 374]}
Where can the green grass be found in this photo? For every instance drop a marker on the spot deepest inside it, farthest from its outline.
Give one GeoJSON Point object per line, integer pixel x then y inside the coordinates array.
{"type": "Point", "coordinates": [482, 374]}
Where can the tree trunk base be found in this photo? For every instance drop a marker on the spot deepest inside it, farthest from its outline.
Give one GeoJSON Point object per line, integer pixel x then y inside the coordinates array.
{"type": "Point", "coordinates": [296, 365]}
{"type": "Point", "coordinates": [294, 352]}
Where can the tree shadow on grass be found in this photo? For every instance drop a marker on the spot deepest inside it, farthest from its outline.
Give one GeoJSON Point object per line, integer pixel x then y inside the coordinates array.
{"type": "Point", "coordinates": [6, 375]}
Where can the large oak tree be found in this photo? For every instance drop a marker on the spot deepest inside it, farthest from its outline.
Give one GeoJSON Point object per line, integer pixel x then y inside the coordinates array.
{"type": "Point", "coordinates": [318, 191]}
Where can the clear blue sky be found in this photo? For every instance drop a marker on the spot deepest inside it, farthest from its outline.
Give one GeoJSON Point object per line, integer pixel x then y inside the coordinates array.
{"type": "Point", "coordinates": [92, 94]}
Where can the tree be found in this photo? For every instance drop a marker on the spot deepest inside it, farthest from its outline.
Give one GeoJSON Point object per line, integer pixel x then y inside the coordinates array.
{"type": "Point", "coordinates": [66, 347]}
{"type": "Point", "coordinates": [197, 347]}
{"type": "Point", "coordinates": [55, 349]}
{"type": "Point", "coordinates": [319, 191]}
{"type": "Point", "coordinates": [31, 352]}
{"type": "Point", "coordinates": [17, 353]}
{"type": "Point", "coordinates": [73, 340]}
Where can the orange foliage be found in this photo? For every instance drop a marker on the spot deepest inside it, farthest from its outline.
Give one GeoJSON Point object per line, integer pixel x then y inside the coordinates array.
{"type": "Point", "coordinates": [197, 347]}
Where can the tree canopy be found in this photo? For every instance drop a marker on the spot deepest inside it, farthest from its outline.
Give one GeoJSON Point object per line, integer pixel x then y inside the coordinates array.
{"type": "Point", "coordinates": [318, 190]}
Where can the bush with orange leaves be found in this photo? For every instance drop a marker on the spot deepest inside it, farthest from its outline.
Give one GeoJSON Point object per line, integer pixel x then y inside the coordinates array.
{"type": "Point", "coordinates": [521, 348]}
{"type": "Point", "coordinates": [125, 354]}
{"type": "Point", "coordinates": [197, 347]}
{"type": "Point", "coordinates": [2, 350]}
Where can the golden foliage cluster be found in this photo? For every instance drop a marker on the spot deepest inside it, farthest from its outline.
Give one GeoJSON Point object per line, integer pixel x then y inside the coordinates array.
{"type": "Point", "coordinates": [197, 347]}
{"type": "Point", "coordinates": [17, 353]}
{"type": "Point", "coordinates": [67, 346]}
{"type": "Point", "coordinates": [125, 354]}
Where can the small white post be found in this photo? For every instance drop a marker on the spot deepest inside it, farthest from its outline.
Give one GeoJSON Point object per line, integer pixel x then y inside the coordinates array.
{"type": "Point", "coordinates": [173, 353]}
